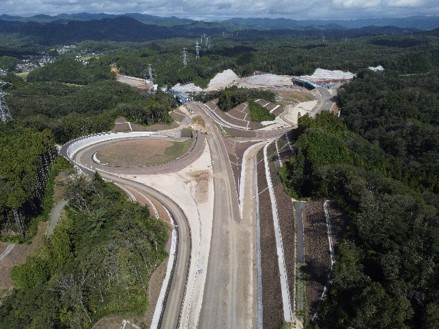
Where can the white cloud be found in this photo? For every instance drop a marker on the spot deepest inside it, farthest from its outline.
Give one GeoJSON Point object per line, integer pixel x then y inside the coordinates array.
{"type": "Point", "coordinates": [405, 3]}
{"type": "Point", "coordinates": [296, 9]}
{"type": "Point", "coordinates": [357, 3]}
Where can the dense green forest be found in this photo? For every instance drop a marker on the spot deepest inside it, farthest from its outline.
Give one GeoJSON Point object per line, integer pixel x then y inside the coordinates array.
{"type": "Point", "coordinates": [279, 54]}
{"type": "Point", "coordinates": [25, 165]}
{"type": "Point", "coordinates": [258, 113]}
{"type": "Point", "coordinates": [71, 110]}
{"type": "Point", "coordinates": [97, 262]}
{"type": "Point", "coordinates": [401, 115]}
{"type": "Point", "coordinates": [379, 162]}
{"type": "Point", "coordinates": [231, 97]}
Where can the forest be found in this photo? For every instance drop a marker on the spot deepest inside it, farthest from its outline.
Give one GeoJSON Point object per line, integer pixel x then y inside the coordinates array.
{"type": "Point", "coordinates": [70, 110]}
{"type": "Point", "coordinates": [379, 162]}
{"type": "Point", "coordinates": [25, 166]}
{"type": "Point", "coordinates": [97, 262]}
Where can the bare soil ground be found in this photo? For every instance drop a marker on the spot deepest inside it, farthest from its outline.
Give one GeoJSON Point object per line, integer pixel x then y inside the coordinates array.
{"type": "Point", "coordinates": [236, 151]}
{"type": "Point", "coordinates": [271, 290]}
{"type": "Point", "coordinates": [154, 127]}
{"type": "Point", "coordinates": [287, 221]}
{"type": "Point", "coordinates": [121, 124]}
{"type": "Point", "coordinates": [59, 188]}
{"type": "Point", "coordinates": [201, 192]}
{"type": "Point", "coordinates": [239, 133]}
{"type": "Point", "coordinates": [284, 149]}
{"type": "Point", "coordinates": [154, 287]}
{"type": "Point", "coordinates": [18, 256]}
{"type": "Point", "coordinates": [240, 112]}
{"type": "Point", "coordinates": [233, 117]}
{"type": "Point", "coordinates": [339, 221]}
{"type": "Point", "coordinates": [133, 82]}
{"type": "Point", "coordinates": [317, 248]}
{"type": "Point", "coordinates": [109, 322]}
{"type": "Point", "coordinates": [177, 116]}
{"type": "Point", "coordinates": [316, 253]}
{"type": "Point", "coordinates": [142, 153]}
{"type": "Point", "coordinates": [293, 96]}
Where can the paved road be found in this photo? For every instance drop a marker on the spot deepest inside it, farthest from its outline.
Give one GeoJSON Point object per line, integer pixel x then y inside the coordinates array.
{"type": "Point", "coordinates": [227, 287]}
{"type": "Point", "coordinates": [324, 101]}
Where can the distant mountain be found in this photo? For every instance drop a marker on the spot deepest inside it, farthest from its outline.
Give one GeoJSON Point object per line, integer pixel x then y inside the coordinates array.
{"type": "Point", "coordinates": [414, 22]}
{"type": "Point", "coordinates": [120, 28]}
{"type": "Point", "coordinates": [147, 19]}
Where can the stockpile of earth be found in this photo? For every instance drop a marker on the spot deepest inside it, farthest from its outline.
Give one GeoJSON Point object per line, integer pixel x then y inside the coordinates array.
{"type": "Point", "coordinates": [267, 80]}
{"type": "Point", "coordinates": [328, 75]}
{"type": "Point", "coordinates": [223, 80]}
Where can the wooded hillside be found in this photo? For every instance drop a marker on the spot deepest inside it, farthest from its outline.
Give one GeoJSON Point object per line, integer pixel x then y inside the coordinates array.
{"type": "Point", "coordinates": [97, 262]}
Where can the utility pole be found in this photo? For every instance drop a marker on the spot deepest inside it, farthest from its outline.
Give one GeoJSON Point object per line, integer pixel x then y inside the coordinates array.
{"type": "Point", "coordinates": [197, 51]}
{"type": "Point", "coordinates": [5, 115]}
{"type": "Point", "coordinates": [184, 57]}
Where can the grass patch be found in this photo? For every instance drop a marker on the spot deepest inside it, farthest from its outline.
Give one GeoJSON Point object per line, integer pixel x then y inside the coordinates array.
{"type": "Point", "coordinates": [259, 113]}
{"type": "Point", "coordinates": [142, 153]}
{"type": "Point", "coordinates": [177, 149]}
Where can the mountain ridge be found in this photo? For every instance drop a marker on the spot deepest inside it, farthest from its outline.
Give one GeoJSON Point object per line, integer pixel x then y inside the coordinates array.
{"type": "Point", "coordinates": [413, 22]}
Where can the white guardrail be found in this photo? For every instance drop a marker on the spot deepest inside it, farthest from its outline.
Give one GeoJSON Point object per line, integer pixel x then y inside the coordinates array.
{"type": "Point", "coordinates": [87, 141]}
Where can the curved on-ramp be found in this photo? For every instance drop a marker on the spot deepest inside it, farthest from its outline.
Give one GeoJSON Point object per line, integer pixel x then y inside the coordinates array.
{"type": "Point", "coordinates": [177, 288]}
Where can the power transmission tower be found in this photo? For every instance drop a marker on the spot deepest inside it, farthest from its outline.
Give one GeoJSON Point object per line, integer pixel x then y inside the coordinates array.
{"type": "Point", "coordinates": [150, 75]}
{"type": "Point", "coordinates": [207, 42]}
{"type": "Point", "coordinates": [184, 57]}
{"type": "Point", "coordinates": [197, 51]}
{"type": "Point", "coordinates": [5, 115]}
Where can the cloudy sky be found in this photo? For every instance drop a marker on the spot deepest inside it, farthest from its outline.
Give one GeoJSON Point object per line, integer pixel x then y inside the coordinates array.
{"type": "Point", "coordinates": [220, 9]}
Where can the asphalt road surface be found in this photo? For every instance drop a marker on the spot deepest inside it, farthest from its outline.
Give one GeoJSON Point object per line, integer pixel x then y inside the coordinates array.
{"type": "Point", "coordinates": [227, 286]}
